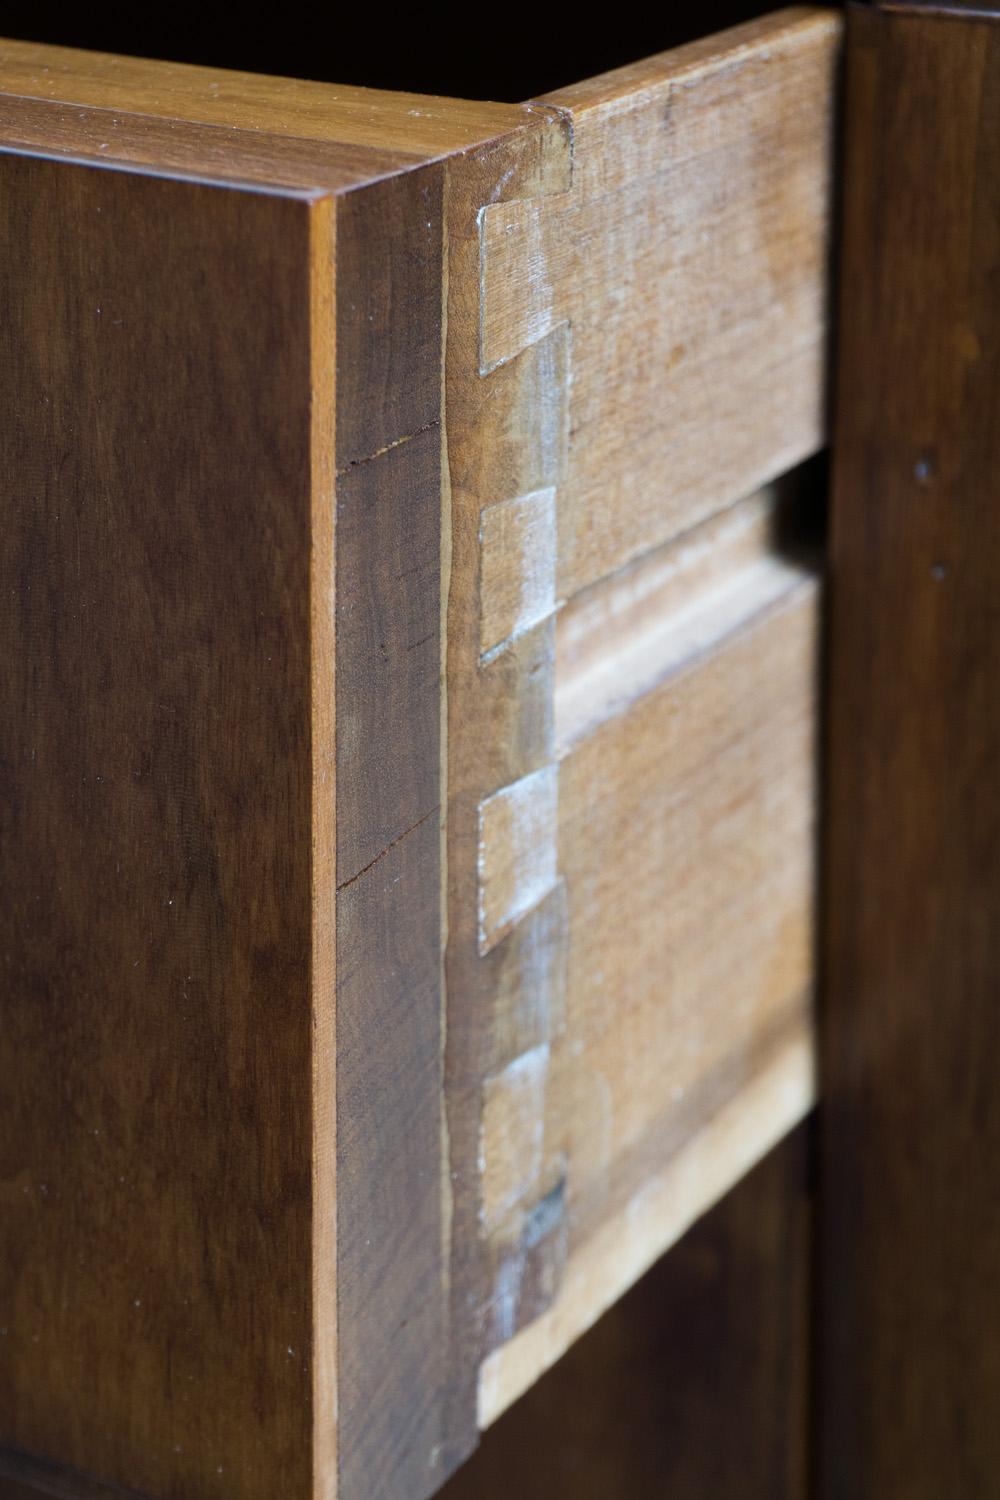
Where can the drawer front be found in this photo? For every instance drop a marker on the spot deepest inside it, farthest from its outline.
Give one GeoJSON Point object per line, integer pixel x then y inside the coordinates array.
{"type": "Point", "coordinates": [415, 931]}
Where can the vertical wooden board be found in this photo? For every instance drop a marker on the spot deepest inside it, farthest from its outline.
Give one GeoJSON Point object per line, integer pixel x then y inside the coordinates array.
{"type": "Point", "coordinates": [911, 1034]}
{"type": "Point", "coordinates": [155, 830]}
{"type": "Point", "coordinates": [696, 1385]}
{"type": "Point", "coordinates": [391, 1282]}
{"type": "Point", "coordinates": [322, 664]}
{"type": "Point", "coordinates": [651, 876]}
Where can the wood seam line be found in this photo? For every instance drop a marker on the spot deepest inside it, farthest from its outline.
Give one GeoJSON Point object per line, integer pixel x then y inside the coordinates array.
{"type": "Point", "coordinates": [521, 1192]}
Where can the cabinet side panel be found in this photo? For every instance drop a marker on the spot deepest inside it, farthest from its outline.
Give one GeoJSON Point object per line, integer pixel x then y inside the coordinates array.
{"type": "Point", "coordinates": [390, 1261]}
{"type": "Point", "coordinates": [910, 1208]}
{"type": "Point", "coordinates": [154, 831]}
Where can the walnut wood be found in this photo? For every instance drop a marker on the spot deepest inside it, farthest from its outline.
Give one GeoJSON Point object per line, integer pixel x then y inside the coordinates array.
{"type": "Point", "coordinates": [26, 1478]}
{"type": "Point", "coordinates": [155, 747]}
{"type": "Point", "coordinates": [911, 1321]}
{"type": "Point", "coordinates": [392, 1361]}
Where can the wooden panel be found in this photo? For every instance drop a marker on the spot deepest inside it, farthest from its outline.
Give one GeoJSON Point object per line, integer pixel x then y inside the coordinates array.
{"type": "Point", "coordinates": [360, 133]}
{"type": "Point", "coordinates": [696, 1385]}
{"type": "Point", "coordinates": [260, 1308]}
{"type": "Point", "coordinates": [689, 259]}
{"type": "Point", "coordinates": [686, 847]}
{"type": "Point", "coordinates": [156, 833]}
{"type": "Point", "coordinates": [228, 1276]}
{"type": "Point", "coordinates": [390, 1274]}
{"type": "Point", "coordinates": [630, 764]}
{"type": "Point", "coordinates": [912, 1119]}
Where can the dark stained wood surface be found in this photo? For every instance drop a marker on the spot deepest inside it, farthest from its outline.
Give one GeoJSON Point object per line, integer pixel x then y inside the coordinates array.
{"type": "Point", "coordinates": [26, 1478]}
{"type": "Point", "coordinates": [222, 781]}
{"type": "Point", "coordinates": [911, 1038]}
{"type": "Point", "coordinates": [158, 820]}
{"type": "Point", "coordinates": [391, 1274]}
{"type": "Point", "coordinates": [695, 1385]}
{"type": "Point", "coordinates": [155, 1031]}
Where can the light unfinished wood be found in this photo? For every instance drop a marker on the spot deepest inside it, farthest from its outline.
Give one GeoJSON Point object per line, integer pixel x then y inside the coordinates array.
{"type": "Point", "coordinates": [689, 259]}
{"type": "Point", "coordinates": [517, 852]}
{"type": "Point", "coordinates": [676, 1193]}
{"type": "Point", "coordinates": [646, 349]}
{"type": "Point", "coordinates": [518, 548]}
{"type": "Point", "coordinates": [686, 843]}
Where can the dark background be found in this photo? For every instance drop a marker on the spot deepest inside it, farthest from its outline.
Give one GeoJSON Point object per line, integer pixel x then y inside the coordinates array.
{"type": "Point", "coordinates": [472, 53]}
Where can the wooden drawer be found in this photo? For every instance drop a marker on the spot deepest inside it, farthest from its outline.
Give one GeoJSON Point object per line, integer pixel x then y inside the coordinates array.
{"type": "Point", "coordinates": [410, 698]}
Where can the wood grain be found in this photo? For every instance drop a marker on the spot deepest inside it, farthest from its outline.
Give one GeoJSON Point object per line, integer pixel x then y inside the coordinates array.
{"type": "Point", "coordinates": [696, 1384]}
{"type": "Point", "coordinates": [301, 474]}
{"type": "Point", "coordinates": [629, 997]}
{"type": "Point", "coordinates": [246, 628]}
{"type": "Point", "coordinates": [911, 1121]}
{"type": "Point", "coordinates": [689, 258]}
{"type": "Point", "coordinates": [392, 1366]}
{"type": "Point", "coordinates": [619, 639]}
{"type": "Point", "coordinates": [156, 830]}
{"type": "Point", "coordinates": [686, 830]}
{"type": "Point", "coordinates": [505, 437]}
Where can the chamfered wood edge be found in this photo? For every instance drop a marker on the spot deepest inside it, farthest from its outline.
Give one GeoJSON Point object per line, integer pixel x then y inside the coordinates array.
{"type": "Point", "coordinates": [391, 1276]}
{"type": "Point", "coordinates": [323, 963]}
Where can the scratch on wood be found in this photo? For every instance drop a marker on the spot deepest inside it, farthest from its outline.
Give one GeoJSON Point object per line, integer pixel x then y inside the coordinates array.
{"type": "Point", "coordinates": [391, 845]}
{"type": "Point", "coordinates": [388, 448]}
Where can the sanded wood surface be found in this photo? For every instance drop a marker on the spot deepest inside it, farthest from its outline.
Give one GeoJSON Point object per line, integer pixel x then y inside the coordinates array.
{"type": "Point", "coordinates": [632, 667]}
{"type": "Point", "coordinates": [911, 1365]}
{"type": "Point", "coordinates": [338, 136]}
{"type": "Point", "coordinates": [489, 804]}
{"type": "Point", "coordinates": [689, 260]}
{"type": "Point", "coordinates": [697, 1384]}
{"type": "Point", "coordinates": [226, 937]}
{"type": "Point", "coordinates": [685, 842]}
